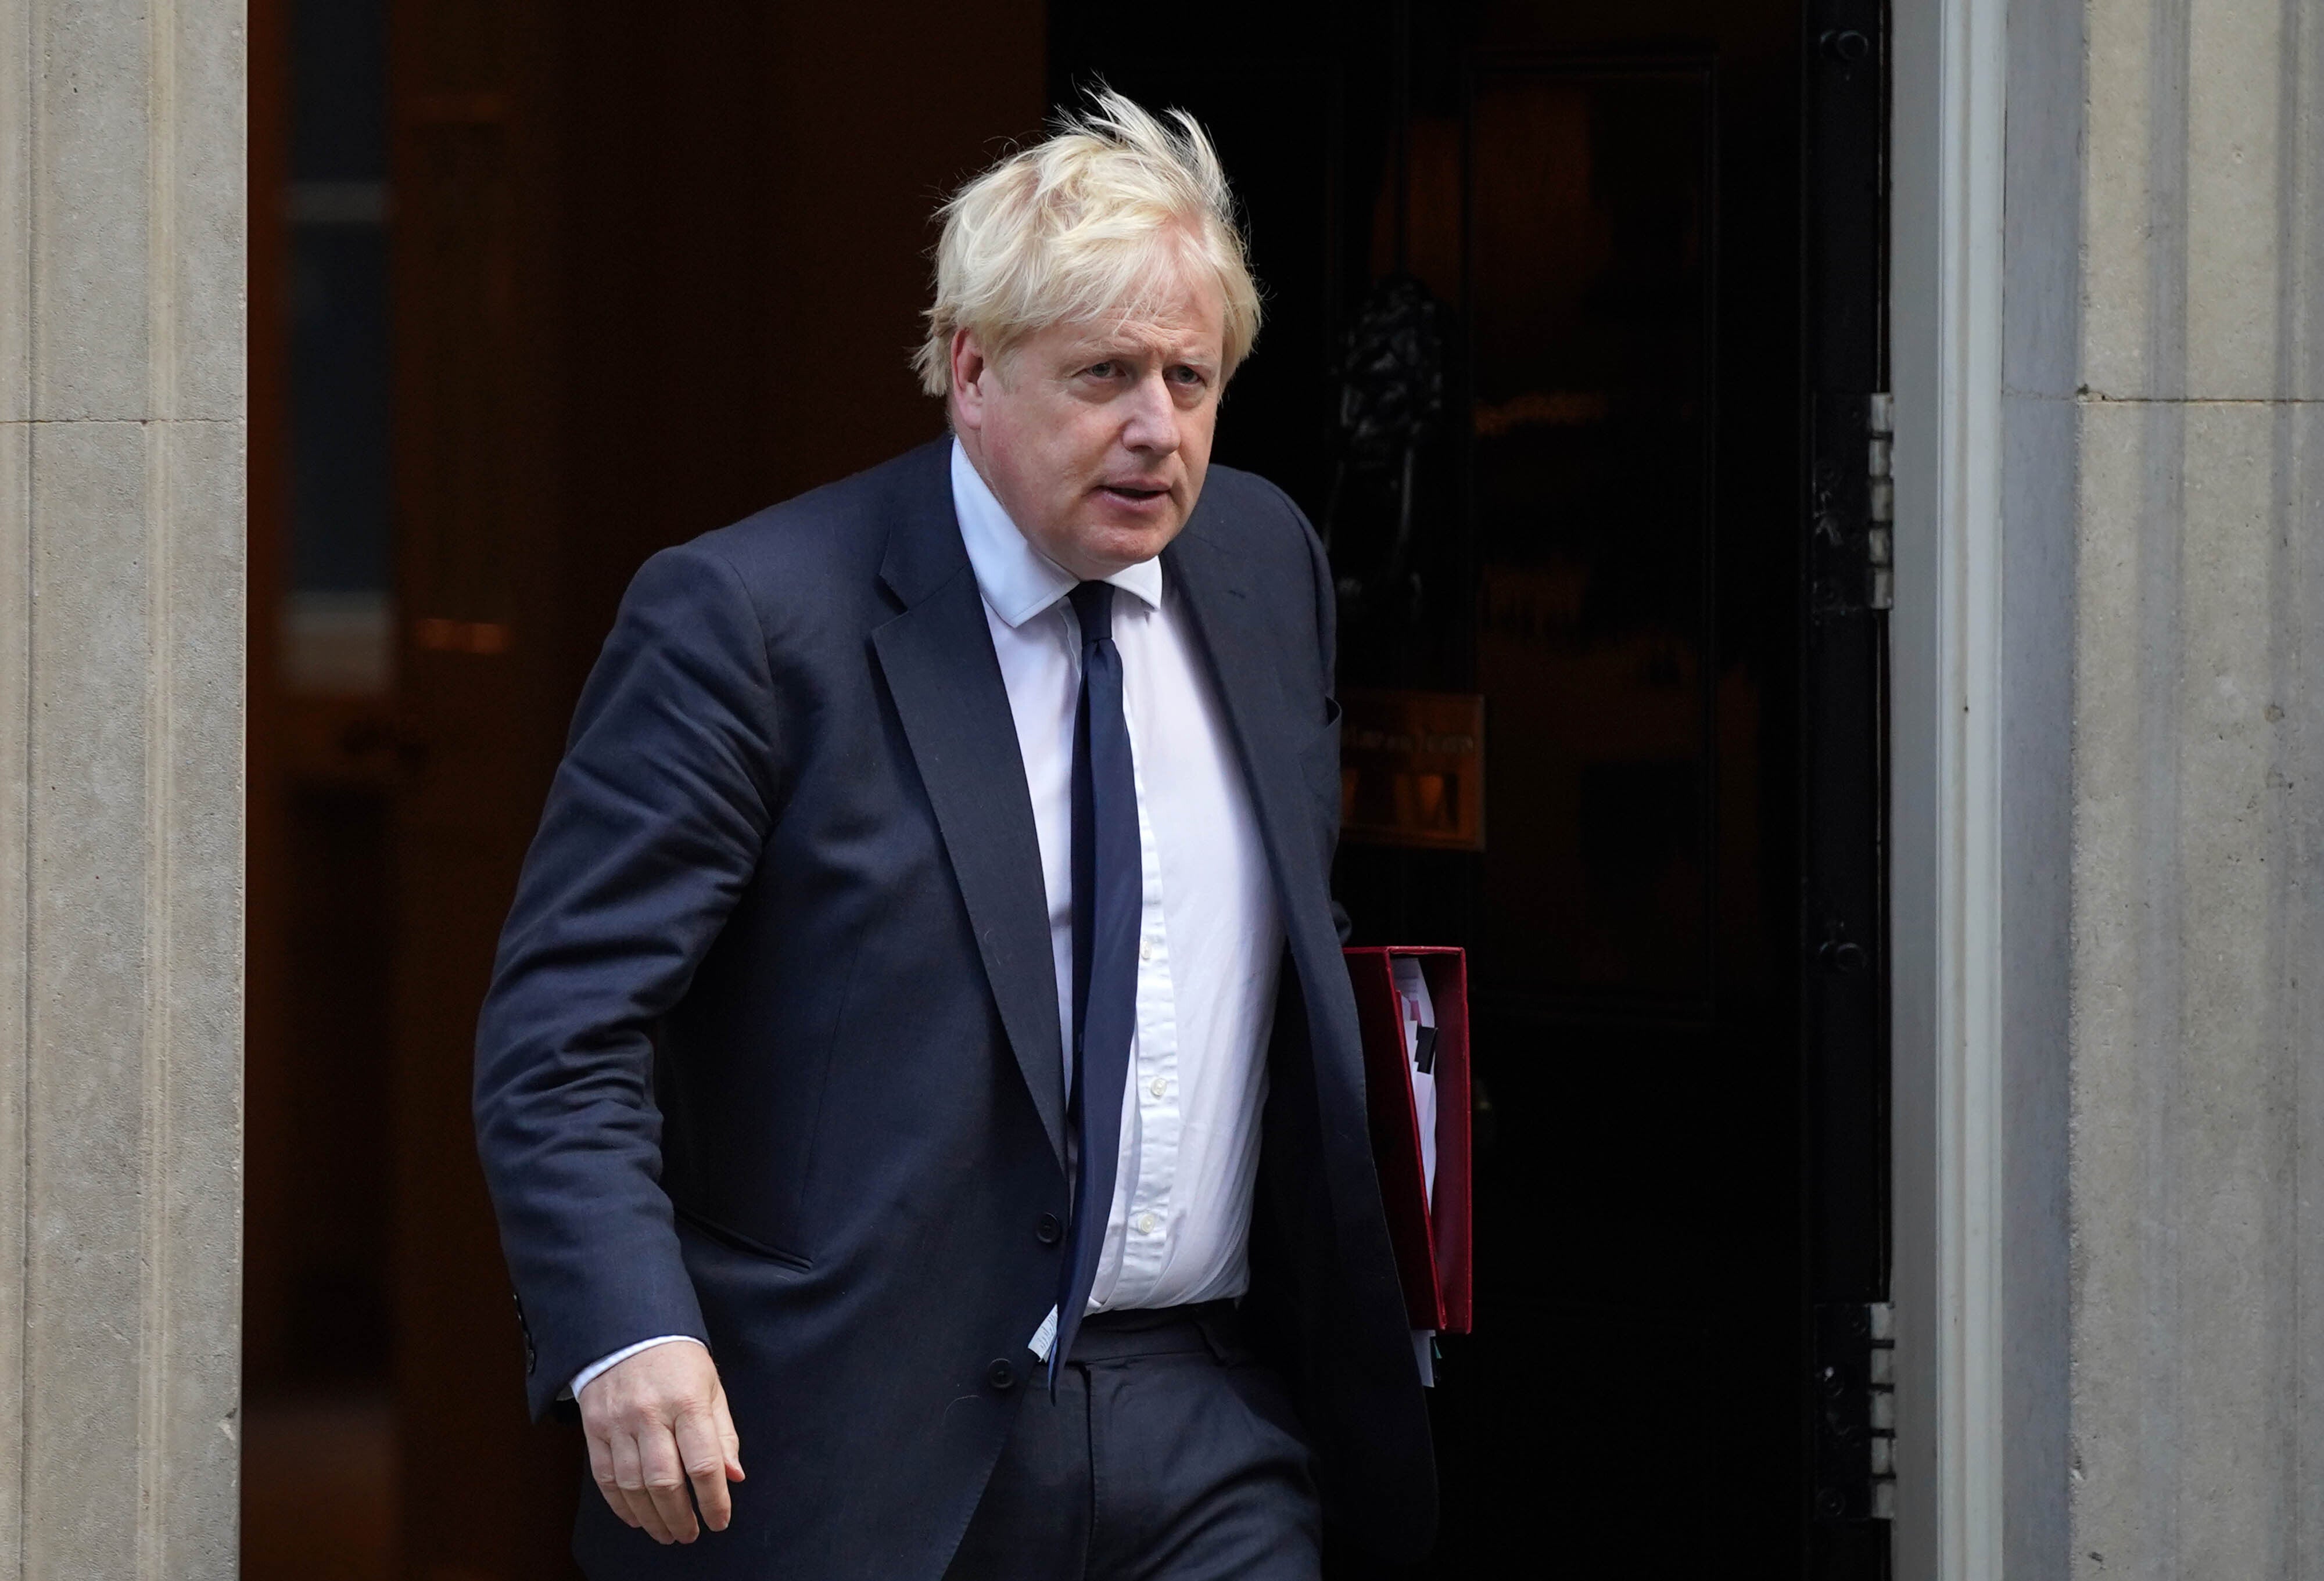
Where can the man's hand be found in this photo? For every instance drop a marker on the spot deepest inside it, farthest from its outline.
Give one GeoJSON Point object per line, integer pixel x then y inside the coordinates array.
{"type": "Point", "coordinates": [657, 1422]}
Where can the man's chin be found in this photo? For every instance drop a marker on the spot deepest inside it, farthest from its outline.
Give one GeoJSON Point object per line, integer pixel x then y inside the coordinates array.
{"type": "Point", "coordinates": [1116, 545]}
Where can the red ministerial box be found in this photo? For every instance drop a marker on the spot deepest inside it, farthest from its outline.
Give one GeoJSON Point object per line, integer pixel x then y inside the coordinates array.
{"type": "Point", "coordinates": [1431, 1246]}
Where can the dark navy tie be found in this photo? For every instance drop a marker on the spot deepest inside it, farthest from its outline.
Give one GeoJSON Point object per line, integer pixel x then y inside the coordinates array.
{"type": "Point", "coordinates": [1109, 892]}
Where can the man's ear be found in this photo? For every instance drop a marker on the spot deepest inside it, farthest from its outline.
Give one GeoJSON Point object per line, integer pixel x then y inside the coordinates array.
{"type": "Point", "coordinates": [969, 367]}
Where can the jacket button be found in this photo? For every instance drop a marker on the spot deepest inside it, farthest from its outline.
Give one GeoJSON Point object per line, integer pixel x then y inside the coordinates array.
{"type": "Point", "coordinates": [1047, 1229]}
{"type": "Point", "coordinates": [1001, 1374]}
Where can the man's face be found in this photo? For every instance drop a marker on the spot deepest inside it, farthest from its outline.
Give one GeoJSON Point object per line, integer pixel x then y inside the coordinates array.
{"type": "Point", "coordinates": [1095, 434]}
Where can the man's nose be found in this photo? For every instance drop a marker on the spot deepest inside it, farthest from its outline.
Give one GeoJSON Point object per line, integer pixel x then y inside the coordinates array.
{"type": "Point", "coordinates": [1153, 424]}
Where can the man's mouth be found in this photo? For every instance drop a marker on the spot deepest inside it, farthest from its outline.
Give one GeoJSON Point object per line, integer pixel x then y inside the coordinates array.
{"type": "Point", "coordinates": [1132, 493]}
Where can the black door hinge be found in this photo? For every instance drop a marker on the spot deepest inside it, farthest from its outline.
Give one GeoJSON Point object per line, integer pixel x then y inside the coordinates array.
{"type": "Point", "coordinates": [1880, 500]}
{"type": "Point", "coordinates": [1856, 1411]}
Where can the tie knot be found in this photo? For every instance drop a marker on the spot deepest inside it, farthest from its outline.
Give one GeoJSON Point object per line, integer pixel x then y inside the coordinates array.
{"type": "Point", "coordinates": [1092, 604]}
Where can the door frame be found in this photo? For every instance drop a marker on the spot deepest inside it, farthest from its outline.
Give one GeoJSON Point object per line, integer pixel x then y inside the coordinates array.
{"type": "Point", "coordinates": [1951, 89]}
{"type": "Point", "coordinates": [1946, 855]}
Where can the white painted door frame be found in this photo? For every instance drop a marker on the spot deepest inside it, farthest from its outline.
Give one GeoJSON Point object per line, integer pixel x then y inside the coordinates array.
{"type": "Point", "coordinates": [1950, 85]}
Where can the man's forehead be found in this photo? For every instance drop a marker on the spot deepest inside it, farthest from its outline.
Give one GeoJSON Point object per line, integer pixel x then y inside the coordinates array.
{"type": "Point", "coordinates": [1180, 333]}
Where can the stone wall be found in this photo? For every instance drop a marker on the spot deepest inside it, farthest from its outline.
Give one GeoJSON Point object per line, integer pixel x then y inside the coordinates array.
{"type": "Point", "coordinates": [121, 726]}
{"type": "Point", "coordinates": [2166, 358]}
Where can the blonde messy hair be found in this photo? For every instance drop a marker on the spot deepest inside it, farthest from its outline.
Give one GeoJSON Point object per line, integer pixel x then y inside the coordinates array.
{"type": "Point", "coordinates": [1095, 218]}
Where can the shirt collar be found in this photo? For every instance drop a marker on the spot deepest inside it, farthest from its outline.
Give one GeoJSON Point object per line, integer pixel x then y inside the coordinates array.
{"type": "Point", "coordinates": [1017, 580]}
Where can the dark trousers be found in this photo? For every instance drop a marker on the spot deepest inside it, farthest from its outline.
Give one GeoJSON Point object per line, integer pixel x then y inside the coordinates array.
{"type": "Point", "coordinates": [1168, 1455]}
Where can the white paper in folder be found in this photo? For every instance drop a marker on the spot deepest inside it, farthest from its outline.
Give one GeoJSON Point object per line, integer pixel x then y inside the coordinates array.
{"type": "Point", "coordinates": [1419, 1017]}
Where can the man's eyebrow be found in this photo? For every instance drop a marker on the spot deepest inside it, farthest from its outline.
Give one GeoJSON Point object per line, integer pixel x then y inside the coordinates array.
{"type": "Point", "coordinates": [1107, 347]}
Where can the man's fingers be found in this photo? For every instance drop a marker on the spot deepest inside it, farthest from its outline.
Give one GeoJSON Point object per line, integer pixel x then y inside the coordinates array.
{"type": "Point", "coordinates": [703, 1451]}
{"type": "Point", "coordinates": [601, 1471]}
{"type": "Point", "coordinates": [727, 1435]}
{"type": "Point", "coordinates": [630, 1476]}
{"type": "Point", "coordinates": [666, 1482]}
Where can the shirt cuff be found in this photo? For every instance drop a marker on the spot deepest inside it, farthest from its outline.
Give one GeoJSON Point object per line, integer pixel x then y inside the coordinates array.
{"type": "Point", "coordinates": [581, 1379]}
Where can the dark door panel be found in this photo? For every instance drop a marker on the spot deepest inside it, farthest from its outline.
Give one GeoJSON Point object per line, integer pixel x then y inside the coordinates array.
{"type": "Point", "coordinates": [1592, 201]}
{"type": "Point", "coordinates": [1649, 235]}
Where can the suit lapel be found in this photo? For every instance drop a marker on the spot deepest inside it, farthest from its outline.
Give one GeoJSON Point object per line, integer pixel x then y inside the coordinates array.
{"type": "Point", "coordinates": [1243, 667]}
{"type": "Point", "coordinates": [938, 660]}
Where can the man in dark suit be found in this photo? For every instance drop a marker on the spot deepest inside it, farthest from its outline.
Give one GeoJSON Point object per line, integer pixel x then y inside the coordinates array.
{"type": "Point", "coordinates": [920, 1055]}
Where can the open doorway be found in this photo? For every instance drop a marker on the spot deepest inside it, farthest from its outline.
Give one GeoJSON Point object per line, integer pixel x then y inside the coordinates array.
{"type": "Point", "coordinates": [550, 286]}
{"type": "Point", "coordinates": [523, 312]}
{"type": "Point", "coordinates": [1603, 480]}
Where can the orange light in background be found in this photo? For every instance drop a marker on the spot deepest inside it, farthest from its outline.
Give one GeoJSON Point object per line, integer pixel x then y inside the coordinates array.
{"type": "Point", "coordinates": [1412, 768]}
{"type": "Point", "coordinates": [442, 636]}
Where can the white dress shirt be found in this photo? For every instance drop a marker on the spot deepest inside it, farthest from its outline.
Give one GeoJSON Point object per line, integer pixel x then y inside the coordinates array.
{"type": "Point", "coordinates": [1209, 937]}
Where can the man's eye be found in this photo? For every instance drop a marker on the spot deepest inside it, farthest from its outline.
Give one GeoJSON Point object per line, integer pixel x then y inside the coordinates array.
{"type": "Point", "coordinates": [1103, 369]}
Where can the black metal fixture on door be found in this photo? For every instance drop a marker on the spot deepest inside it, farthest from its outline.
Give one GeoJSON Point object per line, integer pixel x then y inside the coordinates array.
{"type": "Point", "coordinates": [1848, 554]}
{"type": "Point", "coordinates": [1391, 400]}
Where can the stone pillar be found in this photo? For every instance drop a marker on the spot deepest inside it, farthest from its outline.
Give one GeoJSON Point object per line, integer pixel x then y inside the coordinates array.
{"type": "Point", "coordinates": [121, 782]}
{"type": "Point", "coordinates": [2167, 358]}
{"type": "Point", "coordinates": [2117, 1312]}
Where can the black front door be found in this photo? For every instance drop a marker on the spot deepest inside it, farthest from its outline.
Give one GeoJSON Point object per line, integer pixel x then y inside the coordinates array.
{"type": "Point", "coordinates": [1605, 461]}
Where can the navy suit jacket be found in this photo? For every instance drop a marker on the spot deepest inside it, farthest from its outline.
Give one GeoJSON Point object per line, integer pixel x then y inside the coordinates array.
{"type": "Point", "coordinates": [771, 1055]}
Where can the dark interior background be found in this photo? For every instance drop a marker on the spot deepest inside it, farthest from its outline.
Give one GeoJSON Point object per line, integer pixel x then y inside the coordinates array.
{"type": "Point", "coordinates": [1605, 203]}
{"type": "Point", "coordinates": [558, 284]}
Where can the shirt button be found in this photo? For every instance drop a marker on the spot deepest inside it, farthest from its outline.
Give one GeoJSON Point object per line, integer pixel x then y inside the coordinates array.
{"type": "Point", "coordinates": [1145, 1222]}
{"type": "Point", "coordinates": [1145, 952]}
{"type": "Point", "coordinates": [1161, 1085]}
{"type": "Point", "coordinates": [1002, 1374]}
{"type": "Point", "coordinates": [1047, 1229]}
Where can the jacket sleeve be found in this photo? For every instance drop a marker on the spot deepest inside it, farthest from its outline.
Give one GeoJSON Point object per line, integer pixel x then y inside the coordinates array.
{"type": "Point", "coordinates": [654, 824]}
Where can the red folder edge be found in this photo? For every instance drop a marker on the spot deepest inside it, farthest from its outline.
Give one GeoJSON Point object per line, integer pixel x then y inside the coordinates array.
{"type": "Point", "coordinates": [1431, 1247]}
